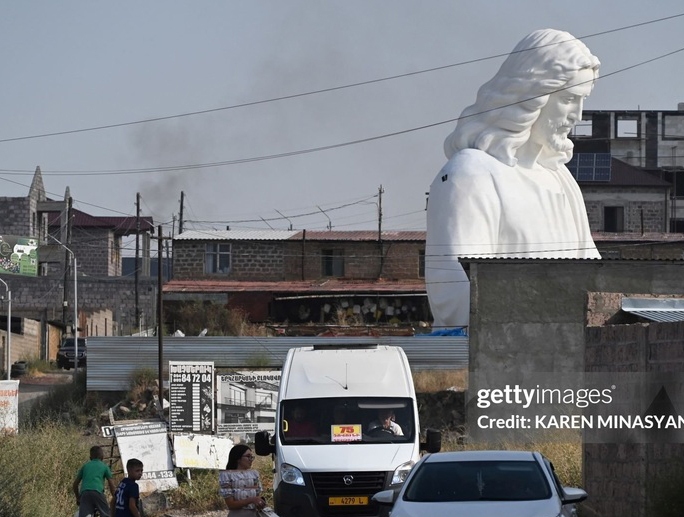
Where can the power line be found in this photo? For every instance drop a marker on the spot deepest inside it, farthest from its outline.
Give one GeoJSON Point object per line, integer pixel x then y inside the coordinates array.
{"type": "Point", "coordinates": [172, 168]}
{"type": "Point", "coordinates": [319, 91]}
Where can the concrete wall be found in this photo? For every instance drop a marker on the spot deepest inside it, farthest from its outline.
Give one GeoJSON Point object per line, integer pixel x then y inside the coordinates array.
{"type": "Point", "coordinates": [41, 298]}
{"type": "Point", "coordinates": [529, 315]}
{"type": "Point", "coordinates": [24, 346]}
{"type": "Point", "coordinates": [623, 479]}
{"type": "Point", "coordinates": [294, 260]}
{"type": "Point", "coordinates": [645, 209]}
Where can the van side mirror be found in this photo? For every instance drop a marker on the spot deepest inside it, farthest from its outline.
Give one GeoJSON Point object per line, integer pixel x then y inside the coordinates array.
{"type": "Point", "coordinates": [433, 441]}
{"type": "Point", "coordinates": [262, 443]}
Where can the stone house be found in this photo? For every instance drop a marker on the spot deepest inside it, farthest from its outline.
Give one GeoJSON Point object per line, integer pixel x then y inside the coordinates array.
{"type": "Point", "coordinates": [652, 141]}
{"type": "Point", "coordinates": [104, 298]}
{"type": "Point", "coordinates": [304, 276]}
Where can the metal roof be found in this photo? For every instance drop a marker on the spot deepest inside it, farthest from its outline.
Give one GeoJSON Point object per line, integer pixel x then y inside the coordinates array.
{"type": "Point", "coordinates": [235, 235]}
{"type": "Point", "coordinates": [655, 309]}
{"type": "Point", "coordinates": [332, 285]}
{"type": "Point", "coordinates": [626, 175]}
{"type": "Point", "coordinates": [298, 235]}
{"type": "Point", "coordinates": [361, 235]}
{"type": "Point", "coordinates": [111, 360]}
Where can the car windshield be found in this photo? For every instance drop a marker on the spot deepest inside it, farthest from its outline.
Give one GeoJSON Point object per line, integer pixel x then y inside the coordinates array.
{"type": "Point", "coordinates": [478, 481]}
{"type": "Point", "coordinates": [69, 343]}
{"type": "Point", "coordinates": [352, 420]}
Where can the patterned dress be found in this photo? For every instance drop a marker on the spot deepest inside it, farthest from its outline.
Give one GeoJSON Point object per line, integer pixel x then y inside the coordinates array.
{"type": "Point", "coordinates": [240, 484]}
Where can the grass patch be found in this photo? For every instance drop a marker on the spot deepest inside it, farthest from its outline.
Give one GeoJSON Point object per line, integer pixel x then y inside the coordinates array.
{"type": "Point", "coordinates": [432, 381]}
{"type": "Point", "coordinates": [38, 468]}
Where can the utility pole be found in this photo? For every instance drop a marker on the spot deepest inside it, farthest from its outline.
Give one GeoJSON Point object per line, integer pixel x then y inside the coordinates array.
{"type": "Point", "coordinates": [381, 191]}
{"type": "Point", "coordinates": [160, 312]}
{"type": "Point", "coordinates": [67, 262]}
{"type": "Point", "coordinates": [9, 329]}
{"type": "Point", "coordinates": [180, 215]}
{"type": "Point", "coordinates": [137, 259]}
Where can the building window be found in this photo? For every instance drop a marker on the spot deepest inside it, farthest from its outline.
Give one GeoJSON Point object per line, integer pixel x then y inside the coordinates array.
{"type": "Point", "coordinates": [584, 127]}
{"type": "Point", "coordinates": [673, 127]}
{"type": "Point", "coordinates": [332, 263]}
{"type": "Point", "coordinates": [217, 257]}
{"type": "Point", "coordinates": [626, 126]}
{"type": "Point", "coordinates": [613, 219]}
{"type": "Point", "coordinates": [421, 263]}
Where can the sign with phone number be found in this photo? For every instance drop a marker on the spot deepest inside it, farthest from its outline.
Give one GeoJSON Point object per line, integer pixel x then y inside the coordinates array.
{"type": "Point", "coordinates": [159, 474]}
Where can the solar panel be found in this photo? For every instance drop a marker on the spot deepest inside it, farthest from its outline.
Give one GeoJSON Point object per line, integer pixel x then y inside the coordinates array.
{"type": "Point", "coordinates": [590, 166]}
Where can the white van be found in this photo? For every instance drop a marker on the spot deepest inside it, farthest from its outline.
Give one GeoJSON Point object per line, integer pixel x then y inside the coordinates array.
{"type": "Point", "coordinates": [331, 449]}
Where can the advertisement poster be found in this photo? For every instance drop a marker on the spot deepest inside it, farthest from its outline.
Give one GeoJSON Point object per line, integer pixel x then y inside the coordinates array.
{"type": "Point", "coordinates": [148, 442]}
{"type": "Point", "coordinates": [18, 255]}
{"type": "Point", "coordinates": [246, 402]}
{"type": "Point", "coordinates": [201, 451]}
{"type": "Point", "coordinates": [9, 407]}
{"type": "Point", "coordinates": [191, 397]}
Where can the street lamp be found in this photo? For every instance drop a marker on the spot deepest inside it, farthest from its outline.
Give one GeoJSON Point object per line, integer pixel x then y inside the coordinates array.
{"type": "Point", "coordinates": [9, 327]}
{"type": "Point", "coordinates": [73, 257]}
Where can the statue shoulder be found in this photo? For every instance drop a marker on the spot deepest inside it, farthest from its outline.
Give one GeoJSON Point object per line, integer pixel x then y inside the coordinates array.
{"type": "Point", "coordinates": [472, 163]}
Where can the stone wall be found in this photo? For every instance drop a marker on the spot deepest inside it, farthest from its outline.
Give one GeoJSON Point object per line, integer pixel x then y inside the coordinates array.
{"type": "Point", "coordinates": [24, 346]}
{"type": "Point", "coordinates": [15, 216]}
{"type": "Point", "coordinates": [528, 315]}
{"type": "Point", "coordinates": [624, 479]}
{"type": "Point", "coordinates": [41, 298]}
{"type": "Point", "coordinates": [645, 209]}
{"type": "Point", "coordinates": [297, 260]}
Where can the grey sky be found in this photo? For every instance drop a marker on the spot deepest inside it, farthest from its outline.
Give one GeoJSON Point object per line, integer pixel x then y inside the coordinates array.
{"type": "Point", "coordinates": [71, 65]}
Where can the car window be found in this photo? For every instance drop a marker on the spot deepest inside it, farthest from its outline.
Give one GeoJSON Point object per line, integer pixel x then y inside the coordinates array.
{"type": "Point", "coordinates": [478, 481]}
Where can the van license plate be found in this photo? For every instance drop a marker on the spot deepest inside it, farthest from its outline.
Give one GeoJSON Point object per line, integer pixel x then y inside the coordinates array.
{"type": "Point", "coordinates": [348, 501]}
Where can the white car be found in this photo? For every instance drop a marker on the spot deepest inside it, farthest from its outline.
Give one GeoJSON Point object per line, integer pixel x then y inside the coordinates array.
{"type": "Point", "coordinates": [482, 484]}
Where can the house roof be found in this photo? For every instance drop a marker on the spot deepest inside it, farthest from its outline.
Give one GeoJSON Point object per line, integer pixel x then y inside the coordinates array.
{"type": "Point", "coordinates": [651, 237]}
{"type": "Point", "coordinates": [235, 235]}
{"type": "Point", "coordinates": [625, 175]}
{"type": "Point", "coordinates": [655, 309]}
{"type": "Point", "coordinates": [361, 235]}
{"type": "Point", "coordinates": [118, 224]}
{"type": "Point", "coordinates": [298, 235]}
{"type": "Point", "coordinates": [323, 286]}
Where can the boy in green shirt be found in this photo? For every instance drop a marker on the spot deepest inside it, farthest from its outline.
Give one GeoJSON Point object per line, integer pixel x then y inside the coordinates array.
{"type": "Point", "coordinates": [91, 477]}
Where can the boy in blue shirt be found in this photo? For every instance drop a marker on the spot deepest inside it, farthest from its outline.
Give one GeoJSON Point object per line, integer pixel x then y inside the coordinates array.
{"type": "Point", "coordinates": [127, 496]}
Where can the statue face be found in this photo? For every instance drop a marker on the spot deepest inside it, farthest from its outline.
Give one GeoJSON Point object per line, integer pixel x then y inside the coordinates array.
{"type": "Point", "coordinates": [561, 113]}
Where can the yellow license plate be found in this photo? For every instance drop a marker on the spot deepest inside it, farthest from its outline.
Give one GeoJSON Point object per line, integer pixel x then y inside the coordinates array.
{"type": "Point", "coordinates": [348, 501]}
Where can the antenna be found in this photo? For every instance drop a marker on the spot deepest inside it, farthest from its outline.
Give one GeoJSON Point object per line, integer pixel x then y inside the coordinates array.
{"type": "Point", "coordinates": [329, 221]}
{"type": "Point", "coordinates": [264, 220]}
{"type": "Point", "coordinates": [285, 217]}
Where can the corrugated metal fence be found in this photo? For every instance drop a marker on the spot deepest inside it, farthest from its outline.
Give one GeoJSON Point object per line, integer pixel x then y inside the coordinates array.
{"type": "Point", "coordinates": [111, 360]}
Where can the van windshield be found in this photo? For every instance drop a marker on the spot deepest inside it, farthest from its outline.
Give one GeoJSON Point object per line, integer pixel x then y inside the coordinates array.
{"type": "Point", "coordinates": [350, 420]}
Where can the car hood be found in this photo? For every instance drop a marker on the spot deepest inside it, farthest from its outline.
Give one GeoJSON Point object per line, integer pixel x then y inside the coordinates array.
{"type": "Point", "coordinates": [545, 508]}
{"type": "Point", "coordinates": [357, 457]}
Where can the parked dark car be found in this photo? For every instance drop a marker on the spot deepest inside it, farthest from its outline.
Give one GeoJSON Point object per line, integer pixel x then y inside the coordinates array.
{"type": "Point", "coordinates": [65, 354]}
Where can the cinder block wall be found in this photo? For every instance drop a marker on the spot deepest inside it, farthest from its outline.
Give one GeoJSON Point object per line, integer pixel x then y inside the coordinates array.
{"type": "Point", "coordinates": [621, 479]}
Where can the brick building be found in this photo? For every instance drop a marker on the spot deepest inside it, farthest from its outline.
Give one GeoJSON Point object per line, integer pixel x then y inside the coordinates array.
{"type": "Point", "coordinates": [305, 276]}
{"type": "Point", "coordinates": [106, 300]}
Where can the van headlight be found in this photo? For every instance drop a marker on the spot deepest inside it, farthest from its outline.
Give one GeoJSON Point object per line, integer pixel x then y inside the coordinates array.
{"type": "Point", "coordinates": [401, 473]}
{"type": "Point", "coordinates": [291, 474]}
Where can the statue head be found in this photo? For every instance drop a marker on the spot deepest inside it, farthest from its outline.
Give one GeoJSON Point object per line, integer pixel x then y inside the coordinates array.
{"type": "Point", "coordinates": [500, 122]}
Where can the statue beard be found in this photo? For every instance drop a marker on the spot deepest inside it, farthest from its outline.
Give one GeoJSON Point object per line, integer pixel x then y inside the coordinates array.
{"type": "Point", "coordinates": [560, 146]}
{"type": "Point", "coordinates": [559, 141]}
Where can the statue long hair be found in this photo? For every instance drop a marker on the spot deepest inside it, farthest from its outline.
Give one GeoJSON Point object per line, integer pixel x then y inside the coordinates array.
{"type": "Point", "coordinates": [508, 104]}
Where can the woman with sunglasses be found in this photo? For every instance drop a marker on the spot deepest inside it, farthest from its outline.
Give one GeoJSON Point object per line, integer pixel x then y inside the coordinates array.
{"type": "Point", "coordinates": [240, 484]}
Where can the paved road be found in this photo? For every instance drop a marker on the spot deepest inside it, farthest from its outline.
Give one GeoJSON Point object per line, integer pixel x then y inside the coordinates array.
{"type": "Point", "coordinates": [31, 389]}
